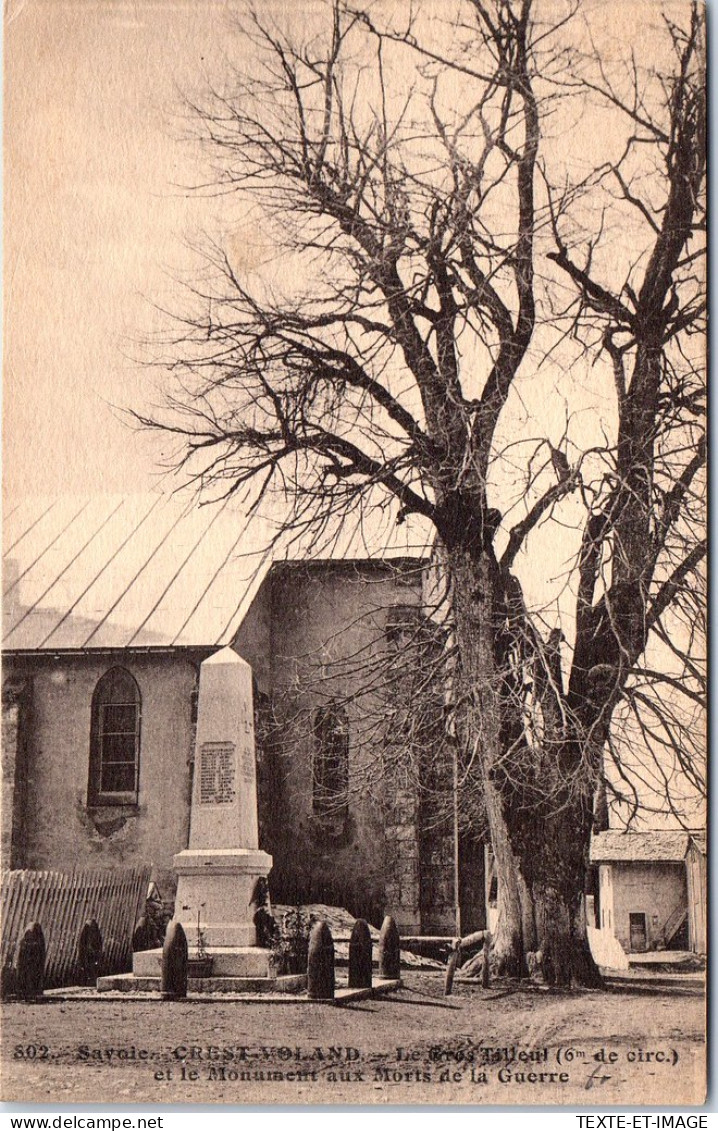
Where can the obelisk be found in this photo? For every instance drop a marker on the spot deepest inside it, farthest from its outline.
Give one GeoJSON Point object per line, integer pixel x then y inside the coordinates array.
{"type": "Point", "coordinates": [218, 871]}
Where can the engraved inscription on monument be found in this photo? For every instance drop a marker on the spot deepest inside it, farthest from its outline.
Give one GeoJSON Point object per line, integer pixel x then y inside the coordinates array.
{"type": "Point", "coordinates": [217, 770]}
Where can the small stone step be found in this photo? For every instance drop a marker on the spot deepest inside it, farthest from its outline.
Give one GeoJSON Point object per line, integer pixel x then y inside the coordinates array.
{"type": "Point", "coordinates": [227, 962]}
{"type": "Point", "coordinates": [133, 983]}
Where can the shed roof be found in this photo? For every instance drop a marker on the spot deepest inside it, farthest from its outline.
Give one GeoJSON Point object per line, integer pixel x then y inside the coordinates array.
{"type": "Point", "coordinates": [616, 845]}
{"type": "Point", "coordinates": [158, 570]}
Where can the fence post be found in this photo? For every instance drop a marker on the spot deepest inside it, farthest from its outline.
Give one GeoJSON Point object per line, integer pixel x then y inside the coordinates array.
{"type": "Point", "coordinates": [486, 969]}
{"type": "Point", "coordinates": [451, 965]}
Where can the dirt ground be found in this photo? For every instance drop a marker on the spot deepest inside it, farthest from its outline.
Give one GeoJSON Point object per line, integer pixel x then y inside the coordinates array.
{"type": "Point", "coordinates": [640, 1042]}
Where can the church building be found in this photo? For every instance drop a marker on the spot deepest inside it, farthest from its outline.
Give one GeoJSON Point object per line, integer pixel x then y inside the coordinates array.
{"type": "Point", "coordinates": [110, 606]}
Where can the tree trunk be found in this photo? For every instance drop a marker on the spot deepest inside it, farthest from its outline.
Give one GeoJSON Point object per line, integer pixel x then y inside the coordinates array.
{"type": "Point", "coordinates": [473, 605]}
{"type": "Point", "coordinates": [550, 847]}
{"type": "Point", "coordinates": [515, 931]}
{"type": "Point", "coordinates": [539, 847]}
{"type": "Point", "coordinates": [566, 958]}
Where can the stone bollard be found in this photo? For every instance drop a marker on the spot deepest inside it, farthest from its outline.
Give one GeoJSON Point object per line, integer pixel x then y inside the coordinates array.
{"type": "Point", "coordinates": [89, 953]}
{"type": "Point", "coordinates": [8, 981]}
{"type": "Point", "coordinates": [320, 964]}
{"type": "Point", "coordinates": [389, 952]}
{"type": "Point", "coordinates": [360, 956]}
{"type": "Point", "coordinates": [173, 983]}
{"type": "Point", "coordinates": [31, 964]}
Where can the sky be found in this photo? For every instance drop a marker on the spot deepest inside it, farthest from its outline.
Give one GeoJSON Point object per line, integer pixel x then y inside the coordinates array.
{"type": "Point", "coordinates": [96, 225]}
{"type": "Point", "coordinates": [93, 225]}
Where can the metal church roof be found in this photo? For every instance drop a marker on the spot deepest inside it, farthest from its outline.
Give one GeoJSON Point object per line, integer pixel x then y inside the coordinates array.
{"type": "Point", "coordinates": [156, 570]}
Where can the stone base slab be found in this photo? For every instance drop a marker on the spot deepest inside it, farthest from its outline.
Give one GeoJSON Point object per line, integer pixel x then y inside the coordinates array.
{"type": "Point", "coordinates": [289, 989]}
{"type": "Point", "coordinates": [227, 962]}
{"type": "Point", "coordinates": [133, 983]}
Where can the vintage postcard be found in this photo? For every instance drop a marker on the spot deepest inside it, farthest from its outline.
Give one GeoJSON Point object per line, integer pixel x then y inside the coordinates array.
{"type": "Point", "coordinates": [354, 574]}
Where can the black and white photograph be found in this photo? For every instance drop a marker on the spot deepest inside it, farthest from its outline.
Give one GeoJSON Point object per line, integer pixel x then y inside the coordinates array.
{"type": "Point", "coordinates": [354, 691]}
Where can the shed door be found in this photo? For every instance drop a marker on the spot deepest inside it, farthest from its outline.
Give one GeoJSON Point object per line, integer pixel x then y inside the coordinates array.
{"type": "Point", "coordinates": [637, 928]}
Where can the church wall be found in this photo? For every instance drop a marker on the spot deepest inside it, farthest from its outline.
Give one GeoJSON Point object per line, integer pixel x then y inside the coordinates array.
{"type": "Point", "coordinates": [60, 830]}
{"type": "Point", "coordinates": [10, 753]}
{"type": "Point", "coordinates": [327, 629]}
{"type": "Point", "coordinates": [16, 703]}
{"type": "Point", "coordinates": [253, 640]}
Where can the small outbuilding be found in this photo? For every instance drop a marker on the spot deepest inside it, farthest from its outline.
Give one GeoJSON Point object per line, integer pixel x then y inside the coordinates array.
{"type": "Point", "coordinates": [651, 889]}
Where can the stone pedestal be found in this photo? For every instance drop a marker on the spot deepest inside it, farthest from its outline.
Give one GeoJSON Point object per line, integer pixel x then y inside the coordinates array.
{"type": "Point", "coordinates": [218, 871]}
{"type": "Point", "coordinates": [218, 883]}
{"type": "Point", "coordinates": [227, 962]}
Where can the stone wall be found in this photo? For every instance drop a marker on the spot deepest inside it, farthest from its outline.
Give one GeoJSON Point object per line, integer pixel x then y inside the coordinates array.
{"type": "Point", "coordinates": [328, 636]}
{"type": "Point", "coordinates": [654, 889]}
{"type": "Point", "coordinates": [438, 881]}
{"type": "Point", "coordinates": [403, 877]}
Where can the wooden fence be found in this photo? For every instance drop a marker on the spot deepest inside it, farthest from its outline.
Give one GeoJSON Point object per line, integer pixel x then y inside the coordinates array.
{"type": "Point", "coordinates": [61, 902]}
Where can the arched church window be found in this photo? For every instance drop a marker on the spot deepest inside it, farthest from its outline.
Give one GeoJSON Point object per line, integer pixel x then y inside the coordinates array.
{"type": "Point", "coordinates": [115, 740]}
{"type": "Point", "coordinates": [331, 760]}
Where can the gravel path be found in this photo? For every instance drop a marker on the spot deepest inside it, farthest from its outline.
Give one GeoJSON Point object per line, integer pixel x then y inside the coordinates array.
{"type": "Point", "coordinates": [636, 1043]}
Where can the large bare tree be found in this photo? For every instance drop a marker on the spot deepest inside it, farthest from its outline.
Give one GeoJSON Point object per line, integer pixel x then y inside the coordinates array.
{"type": "Point", "coordinates": [440, 258]}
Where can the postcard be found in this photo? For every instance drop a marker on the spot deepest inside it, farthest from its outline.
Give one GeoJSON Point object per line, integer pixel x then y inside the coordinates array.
{"type": "Point", "coordinates": [354, 575]}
